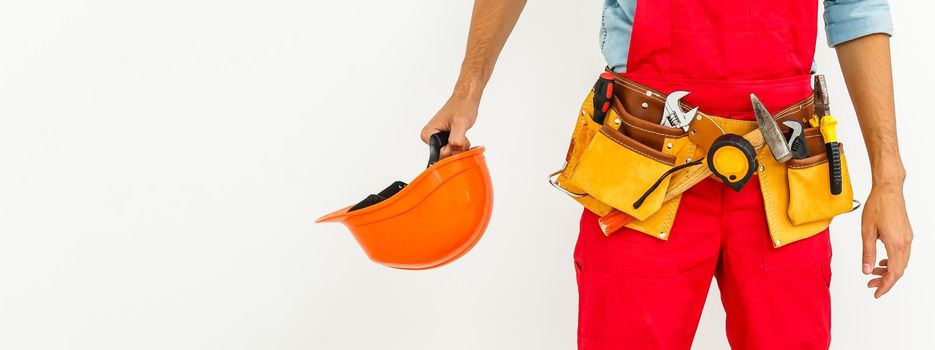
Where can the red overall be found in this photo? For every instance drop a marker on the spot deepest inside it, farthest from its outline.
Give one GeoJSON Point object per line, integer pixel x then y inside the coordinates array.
{"type": "Point", "coordinates": [639, 292]}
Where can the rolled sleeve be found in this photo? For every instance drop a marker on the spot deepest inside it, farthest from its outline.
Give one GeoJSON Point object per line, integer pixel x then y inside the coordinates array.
{"type": "Point", "coordinates": [851, 19]}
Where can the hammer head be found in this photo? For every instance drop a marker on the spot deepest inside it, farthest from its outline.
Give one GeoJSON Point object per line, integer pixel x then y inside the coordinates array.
{"type": "Point", "coordinates": [770, 130]}
{"type": "Point", "coordinates": [822, 106]}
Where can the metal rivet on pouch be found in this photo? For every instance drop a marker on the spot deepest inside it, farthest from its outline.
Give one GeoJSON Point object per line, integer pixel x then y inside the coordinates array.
{"type": "Point", "coordinates": [761, 168]}
{"type": "Point", "coordinates": [698, 117]}
{"type": "Point", "coordinates": [669, 145]}
{"type": "Point", "coordinates": [645, 105]}
{"type": "Point", "coordinates": [778, 243]}
{"type": "Point", "coordinates": [649, 93]}
{"type": "Point", "coordinates": [694, 131]}
{"type": "Point", "coordinates": [617, 121]}
{"type": "Point", "coordinates": [688, 160]}
{"type": "Point", "coordinates": [662, 234]}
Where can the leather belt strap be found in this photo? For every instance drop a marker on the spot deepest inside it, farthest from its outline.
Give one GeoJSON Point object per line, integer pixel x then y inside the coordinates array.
{"type": "Point", "coordinates": [640, 109]}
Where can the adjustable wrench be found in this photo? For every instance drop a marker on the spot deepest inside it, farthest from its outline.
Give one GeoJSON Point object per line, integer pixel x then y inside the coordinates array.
{"type": "Point", "coordinates": [673, 116]}
{"type": "Point", "coordinates": [797, 141]}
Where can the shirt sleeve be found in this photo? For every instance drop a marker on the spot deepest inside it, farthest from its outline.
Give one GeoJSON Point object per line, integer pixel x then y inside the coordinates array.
{"type": "Point", "coordinates": [851, 19]}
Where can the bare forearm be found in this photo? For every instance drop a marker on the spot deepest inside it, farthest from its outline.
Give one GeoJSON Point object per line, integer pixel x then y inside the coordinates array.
{"type": "Point", "coordinates": [865, 63]}
{"type": "Point", "coordinates": [491, 25]}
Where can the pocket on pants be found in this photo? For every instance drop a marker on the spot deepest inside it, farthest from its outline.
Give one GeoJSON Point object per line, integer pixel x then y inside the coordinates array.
{"type": "Point", "coordinates": [826, 274]}
{"type": "Point", "coordinates": [806, 252]}
{"type": "Point", "coordinates": [625, 253]}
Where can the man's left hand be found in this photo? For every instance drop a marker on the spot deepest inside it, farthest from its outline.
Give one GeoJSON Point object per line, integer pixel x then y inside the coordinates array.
{"type": "Point", "coordinates": [885, 218]}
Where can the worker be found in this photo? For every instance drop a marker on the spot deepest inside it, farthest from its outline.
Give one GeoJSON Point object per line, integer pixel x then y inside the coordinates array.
{"type": "Point", "coordinates": [640, 289]}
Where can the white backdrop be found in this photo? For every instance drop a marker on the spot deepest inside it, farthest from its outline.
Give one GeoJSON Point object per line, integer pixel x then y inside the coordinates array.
{"type": "Point", "coordinates": [161, 165]}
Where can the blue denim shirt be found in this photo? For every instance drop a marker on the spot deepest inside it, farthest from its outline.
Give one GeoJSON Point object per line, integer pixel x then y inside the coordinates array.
{"type": "Point", "coordinates": [844, 20]}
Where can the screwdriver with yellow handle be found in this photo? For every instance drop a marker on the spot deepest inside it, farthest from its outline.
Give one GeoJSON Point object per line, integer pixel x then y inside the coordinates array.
{"type": "Point", "coordinates": [828, 126]}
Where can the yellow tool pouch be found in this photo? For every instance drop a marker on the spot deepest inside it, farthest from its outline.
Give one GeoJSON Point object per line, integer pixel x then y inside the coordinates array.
{"type": "Point", "coordinates": [797, 195]}
{"type": "Point", "coordinates": [616, 170]}
{"type": "Point", "coordinates": [810, 197]}
{"type": "Point", "coordinates": [585, 129]}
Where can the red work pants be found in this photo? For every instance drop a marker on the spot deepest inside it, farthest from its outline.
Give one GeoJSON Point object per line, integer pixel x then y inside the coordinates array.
{"type": "Point", "coordinates": [640, 292]}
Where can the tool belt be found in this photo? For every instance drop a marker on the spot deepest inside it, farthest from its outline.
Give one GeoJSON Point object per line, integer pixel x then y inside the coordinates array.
{"type": "Point", "coordinates": [621, 161]}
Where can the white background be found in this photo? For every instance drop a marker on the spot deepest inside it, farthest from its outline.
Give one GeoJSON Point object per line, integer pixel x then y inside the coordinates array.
{"type": "Point", "coordinates": [161, 165]}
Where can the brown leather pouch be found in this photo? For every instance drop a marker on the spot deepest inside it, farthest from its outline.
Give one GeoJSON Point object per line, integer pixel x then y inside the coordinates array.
{"type": "Point", "coordinates": [816, 144]}
{"type": "Point", "coordinates": [647, 133]}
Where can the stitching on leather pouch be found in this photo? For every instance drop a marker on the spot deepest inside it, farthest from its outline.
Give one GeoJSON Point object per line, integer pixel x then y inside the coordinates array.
{"type": "Point", "coordinates": [788, 110]}
{"type": "Point", "coordinates": [670, 215]}
{"type": "Point", "coordinates": [634, 150]}
{"type": "Point", "coordinates": [794, 108]}
{"type": "Point", "coordinates": [584, 114]}
{"type": "Point", "coordinates": [767, 198]}
{"type": "Point", "coordinates": [650, 131]}
{"type": "Point", "coordinates": [736, 123]}
{"type": "Point", "coordinates": [806, 166]}
{"type": "Point", "coordinates": [584, 147]}
{"type": "Point", "coordinates": [639, 89]}
{"type": "Point", "coordinates": [688, 150]}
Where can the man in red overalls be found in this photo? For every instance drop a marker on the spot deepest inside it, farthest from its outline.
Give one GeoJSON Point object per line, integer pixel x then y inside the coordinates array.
{"type": "Point", "coordinates": [649, 293]}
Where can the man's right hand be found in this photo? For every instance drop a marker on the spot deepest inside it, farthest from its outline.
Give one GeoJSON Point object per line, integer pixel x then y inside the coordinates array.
{"type": "Point", "coordinates": [491, 24]}
{"type": "Point", "coordinates": [456, 116]}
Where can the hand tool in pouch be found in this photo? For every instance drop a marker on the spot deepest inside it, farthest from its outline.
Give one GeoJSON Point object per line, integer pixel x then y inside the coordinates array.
{"type": "Point", "coordinates": [770, 130]}
{"type": "Point", "coordinates": [673, 116]}
{"type": "Point", "coordinates": [828, 126]}
{"type": "Point", "coordinates": [434, 220]}
{"type": "Point", "coordinates": [603, 95]}
{"type": "Point", "coordinates": [797, 143]}
{"type": "Point", "coordinates": [733, 160]}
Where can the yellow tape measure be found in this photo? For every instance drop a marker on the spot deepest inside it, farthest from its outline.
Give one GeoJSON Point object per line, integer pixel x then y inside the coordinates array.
{"type": "Point", "coordinates": [733, 160]}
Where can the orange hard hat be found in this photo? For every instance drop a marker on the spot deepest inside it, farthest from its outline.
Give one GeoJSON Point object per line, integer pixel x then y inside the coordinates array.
{"type": "Point", "coordinates": [434, 220]}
